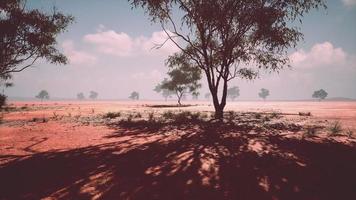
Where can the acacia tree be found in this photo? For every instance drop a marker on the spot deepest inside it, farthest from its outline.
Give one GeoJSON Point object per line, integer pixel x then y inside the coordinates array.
{"type": "Point", "coordinates": [320, 94]}
{"type": "Point", "coordinates": [27, 35]}
{"type": "Point", "coordinates": [93, 95]}
{"type": "Point", "coordinates": [263, 93]}
{"type": "Point", "coordinates": [233, 92]}
{"type": "Point", "coordinates": [80, 96]}
{"type": "Point", "coordinates": [184, 78]}
{"type": "Point", "coordinates": [134, 95]}
{"type": "Point", "coordinates": [227, 39]}
{"type": "Point", "coordinates": [43, 94]}
{"type": "Point", "coordinates": [166, 93]}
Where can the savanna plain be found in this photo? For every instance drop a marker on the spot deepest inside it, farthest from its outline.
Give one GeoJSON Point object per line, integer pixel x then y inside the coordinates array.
{"type": "Point", "coordinates": [157, 150]}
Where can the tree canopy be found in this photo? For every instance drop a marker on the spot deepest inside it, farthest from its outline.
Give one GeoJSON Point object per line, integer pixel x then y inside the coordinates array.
{"type": "Point", "coordinates": [264, 93]}
{"type": "Point", "coordinates": [227, 39]}
{"type": "Point", "coordinates": [27, 35]}
{"type": "Point", "coordinates": [183, 78]}
{"type": "Point", "coordinates": [93, 95]}
{"type": "Point", "coordinates": [80, 96]}
{"type": "Point", "coordinates": [43, 94]}
{"type": "Point", "coordinates": [166, 93]}
{"type": "Point", "coordinates": [134, 95]}
{"type": "Point", "coordinates": [233, 92]}
{"type": "Point", "coordinates": [320, 94]}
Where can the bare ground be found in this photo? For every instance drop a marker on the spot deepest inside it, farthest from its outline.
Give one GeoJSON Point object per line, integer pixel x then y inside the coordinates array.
{"type": "Point", "coordinates": [262, 150]}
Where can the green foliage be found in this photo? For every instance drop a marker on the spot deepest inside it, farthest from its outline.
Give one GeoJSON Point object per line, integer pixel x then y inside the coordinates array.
{"type": "Point", "coordinates": [320, 94]}
{"type": "Point", "coordinates": [263, 93]}
{"type": "Point", "coordinates": [184, 78]}
{"type": "Point", "coordinates": [335, 128]}
{"type": "Point", "coordinates": [43, 94]}
{"type": "Point", "coordinates": [134, 96]}
{"type": "Point", "coordinates": [27, 35]}
{"type": "Point", "coordinates": [223, 37]}
{"type": "Point", "coordinates": [233, 92]}
{"type": "Point", "coordinates": [166, 93]}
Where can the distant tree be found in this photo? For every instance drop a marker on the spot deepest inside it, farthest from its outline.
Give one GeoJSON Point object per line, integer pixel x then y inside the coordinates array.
{"type": "Point", "coordinates": [166, 93]}
{"type": "Point", "coordinates": [229, 39]}
{"type": "Point", "coordinates": [207, 96]}
{"type": "Point", "coordinates": [263, 93]}
{"type": "Point", "coordinates": [93, 95]}
{"type": "Point", "coordinates": [320, 94]}
{"type": "Point", "coordinates": [80, 96]}
{"type": "Point", "coordinates": [43, 94]}
{"type": "Point", "coordinates": [134, 96]}
{"type": "Point", "coordinates": [27, 35]}
{"type": "Point", "coordinates": [183, 78]}
{"type": "Point", "coordinates": [195, 95]}
{"type": "Point", "coordinates": [233, 92]}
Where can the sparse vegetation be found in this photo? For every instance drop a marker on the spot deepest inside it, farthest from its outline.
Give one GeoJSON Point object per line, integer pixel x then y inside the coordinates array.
{"type": "Point", "coordinates": [112, 115]}
{"type": "Point", "coordinates": [335, 128]}
{"type": "Point", "coordinates": [310, 131]}
{"type": "Point", "coordinates": [349, 133]}
{"type": "Point", "coordinates": [308, 114]}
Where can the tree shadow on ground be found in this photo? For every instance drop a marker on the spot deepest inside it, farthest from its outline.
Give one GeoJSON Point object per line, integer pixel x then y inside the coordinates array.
{"type": "Point", "coordinates": [205, 160]}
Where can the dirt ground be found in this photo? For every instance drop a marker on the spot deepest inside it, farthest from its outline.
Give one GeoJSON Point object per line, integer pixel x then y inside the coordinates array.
{"type": "Point", "coordinates": [154, 150]}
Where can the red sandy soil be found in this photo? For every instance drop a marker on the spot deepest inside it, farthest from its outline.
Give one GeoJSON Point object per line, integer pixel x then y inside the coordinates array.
{"type": "Point", "coordinates": [63, 158]}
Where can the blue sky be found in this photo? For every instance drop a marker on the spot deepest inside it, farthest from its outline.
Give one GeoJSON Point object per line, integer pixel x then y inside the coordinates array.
{"type": "Point", "coordinates": [109, 48]}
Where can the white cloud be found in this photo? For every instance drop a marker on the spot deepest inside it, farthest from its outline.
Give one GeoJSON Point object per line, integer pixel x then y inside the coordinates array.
{"type": "Point", "coordinates": [349, 2]}
{"type": "Point", "coordinates": [77, 57]}
{"type": "Point", "coordinates": [110, 42]}
{"type": "Point", "coordinates": [121, 44]}
{"type": "Point", "coordinates": [321, 54]}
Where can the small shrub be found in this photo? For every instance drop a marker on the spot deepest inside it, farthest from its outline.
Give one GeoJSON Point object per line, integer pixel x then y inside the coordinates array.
{"type": "Point", "coordinates": [151, 117]}
{"type": "Point", "coordinates": [138, 115]}
{"type": "Point", "coordinates": [182, 117]}
{"type": "Point", "coordinates": [266, 119]}
{"type": "Point", "coordinates": [349, 133]}
{"type": "Point", "coordinates": [310, 131]}
{"type": "Point", "coordinates": [304, 114]}
{"type": "Point", "coordinates": [335, 128]}
{"type": "Point", "coordinates": [275, 114]}
{"type": "Point", "coordinates": [168, 115]}
{"type": "Point", "coordinates": [112, 115]}
{"type": "Point", "coordinates": [258, 115]}
{"type": "Point", "coordinates": [55, 115]}
{"type": "Point", "coordinates": [130, 117]}
{"type": "Point", "coordinates": [195, 116]}
{"type": "Point", "coordinates": [204, 116]}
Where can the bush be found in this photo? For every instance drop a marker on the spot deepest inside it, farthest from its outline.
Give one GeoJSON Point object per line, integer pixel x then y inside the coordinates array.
{"type": "Point", "coordinates": [304, 114]}
{"type": "Point", "coordinates": [258, 115]}
{"type": "Point", "coordinates": [112, 115]}
{"type": "Point", "coordinates": [335, 128]}
{"type": "Point", "coordinates": [168, 115]}
{"type": "Point", "coordinates": [275, 114]}
{"type": "Point", "coordinates": [138, 115]}
{"type": "Point", "coordinates": [151, 117]}
{"type": "Point", "coordinates": [195, 116]}
{"type": "Point", "coordinates": [310, 131]}
{"type": "Point", "coordinates": [349, 133]}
